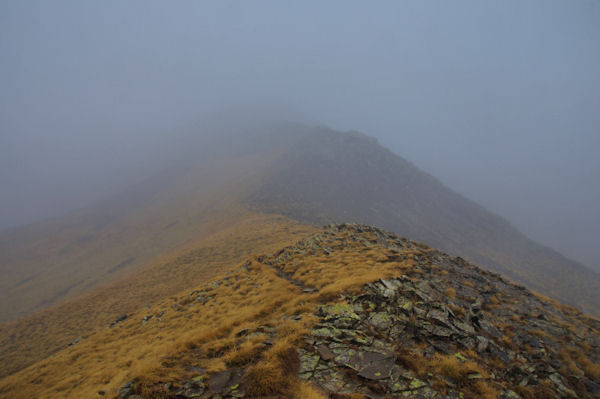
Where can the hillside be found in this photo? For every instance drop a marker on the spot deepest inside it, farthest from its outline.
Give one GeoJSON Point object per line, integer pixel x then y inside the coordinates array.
{"type": "Point", "coordinates": [328, 176]}
{"type": "Point", "coordinates": [59, 259]}
{"type": "Point", "coordinates": [199, 191]}
{"type": "Point", "coordinates": [350, 312]}
{"type": "Point", "coordinates": [37, 336]}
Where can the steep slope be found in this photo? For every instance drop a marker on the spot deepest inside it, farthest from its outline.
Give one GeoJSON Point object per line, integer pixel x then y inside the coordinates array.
{"type": "Point", "coordinates": [37, 336]}
{"type": "Point", "coordinates": [329, 176]}
{"type": "Point", "coordinates": [202, 186]}
{"type": "Point", "coordinates": [351, 312]}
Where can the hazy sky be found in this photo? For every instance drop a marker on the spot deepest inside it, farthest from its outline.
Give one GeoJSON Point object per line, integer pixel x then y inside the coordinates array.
{"type": "Point", "coordinates": [500, 100]}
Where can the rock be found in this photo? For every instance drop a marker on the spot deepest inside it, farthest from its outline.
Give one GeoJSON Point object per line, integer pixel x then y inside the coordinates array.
{"type": "Point", "coordinates": [381, 320]}
{"type": "Point", "coordinates": [327, 332]}
{"type": "Point", "coordinates": [219, 381]}
{"type": "Point", "coordinates": [242, 332]}
{"type": "Point", "coordinates": [484, 325]}
{"type": "Point", "coordinates": [118, 320]}
{"type": "Point", "coordinates": [126, 390]}
{"type": "Point", "coordinates": [464, 327]}
{"type": "Point", "coordinates": [558, 381]}
{"type": "Point", "coordinates": [509, 395]}
{"type": "Point", "coordinates": [482, 343]}
{"type": "Point", "coordinates": [499, 353]}
{"type": "Point", "coordinates": [372, 365]}
{"type": "Point", "coordinates": [592, 387]}
{"type": "Point", "coordinates": [467, 342]}
{"type": "Point", "coordinates": [441, 332]}
{"type": "Point", "coordinates": [343, 355]}
{"type": "Point", "coordinates": [308, 363]}
{"type": "Point", "coordinates": [440, 317]}
{"type": "Point", "coordinates": [325, 353]}
{"type": "Point", "coordinates": [146, 319]}
{"type": "Point", "coordinates": [75, 341]}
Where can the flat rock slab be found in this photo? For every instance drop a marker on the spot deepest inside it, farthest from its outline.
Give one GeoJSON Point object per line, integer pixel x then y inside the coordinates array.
{"type": "Point", "coordinates": [372, 365]}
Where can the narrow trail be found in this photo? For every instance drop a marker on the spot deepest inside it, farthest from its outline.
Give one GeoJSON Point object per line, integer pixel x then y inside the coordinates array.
{"type": "Point", "coordinates": [306, 289]}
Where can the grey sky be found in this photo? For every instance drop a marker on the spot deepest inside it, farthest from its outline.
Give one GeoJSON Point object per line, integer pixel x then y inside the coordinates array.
{"type": "Point", "coordinates": [500, 100]}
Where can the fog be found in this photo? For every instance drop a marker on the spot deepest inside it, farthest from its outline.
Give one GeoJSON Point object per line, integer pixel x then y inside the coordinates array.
{"type": "Point", "coordinates": [499, 100]}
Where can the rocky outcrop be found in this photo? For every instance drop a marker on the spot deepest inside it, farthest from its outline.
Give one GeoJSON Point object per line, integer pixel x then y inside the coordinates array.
{"type": "Point", "coordinates": [398, 335]}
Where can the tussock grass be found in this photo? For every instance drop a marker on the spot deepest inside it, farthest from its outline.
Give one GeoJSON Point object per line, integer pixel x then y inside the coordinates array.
{"type": "Point", "coordinates": [576, 362]}
{"type": "Point", "coordinates": [275, 373]}
{"type": "Point", "coordinates": [452, 367]}
{"type": "Point", "coordinates": [590, 369]}
{"type": "Point", "coordinates": [458, 369]}
{"type": "Point", "coordinates": [245, 352]}
{"type": "Point", "coordinates": [542, 390]}
{"type": "Point", "coordinates": [450, 293]}
{"type": "Point", "coordinates": [304, 390]}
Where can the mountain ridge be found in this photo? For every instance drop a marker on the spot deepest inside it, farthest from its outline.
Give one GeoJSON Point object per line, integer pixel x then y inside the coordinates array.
{"type": "Point", "coordinates": [315, 175]}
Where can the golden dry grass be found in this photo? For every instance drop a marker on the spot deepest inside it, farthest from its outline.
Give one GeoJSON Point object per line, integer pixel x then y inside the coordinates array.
{"type": "Point", "coordinates": [451, 292]}
{"type": "Point", "coordinates": [453, 367]}
{"type": "Point", "coordinates": [206, 334]}
{"type": "Point", "coordinates": [304, 390]}
{"type": "Point", "coordinates": [35, 337]}
{"type": "Point", "coordinates": [459, 368]}
{"type": "Point", "coordinates": [574, 360]}
{"type": "Point", "coordinates": [112, 356]}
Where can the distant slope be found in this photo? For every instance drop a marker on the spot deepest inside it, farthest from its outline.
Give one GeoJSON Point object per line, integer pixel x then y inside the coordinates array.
{"type": "Point", "coordinates": [49, 262]}
{"type": "Point", "coordinates": [349, 312]}
{"type": "Point", "coordinates": [330, 176]}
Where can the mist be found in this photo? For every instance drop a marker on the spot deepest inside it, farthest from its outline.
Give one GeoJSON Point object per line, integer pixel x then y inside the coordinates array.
{"type": "Point", "coordinates": [499, 100]}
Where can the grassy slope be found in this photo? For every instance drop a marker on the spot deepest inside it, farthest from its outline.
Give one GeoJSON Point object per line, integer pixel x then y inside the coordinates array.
{"type": "Point", "coordinates": [234, 236]}
{"type": "Point", "coordinates": [259, 296]}
{"type": "Point", "coordinates": [60, 259]}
